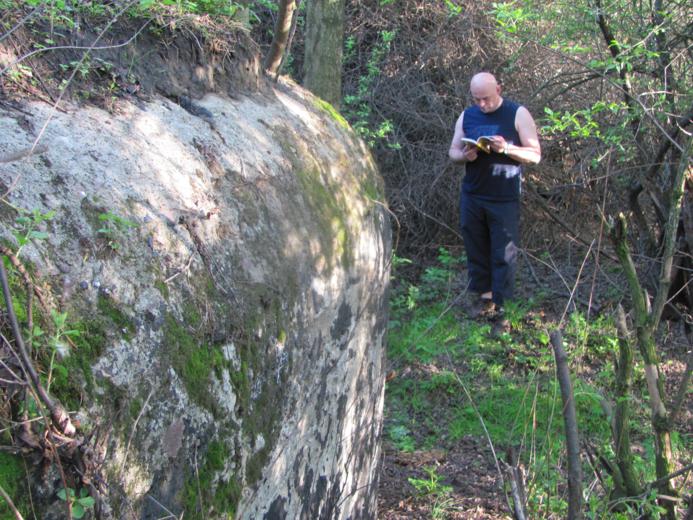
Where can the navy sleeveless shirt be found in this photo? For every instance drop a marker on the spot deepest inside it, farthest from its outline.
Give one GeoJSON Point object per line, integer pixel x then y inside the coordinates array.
{"type": "Point", "coordinates": [493, 176]}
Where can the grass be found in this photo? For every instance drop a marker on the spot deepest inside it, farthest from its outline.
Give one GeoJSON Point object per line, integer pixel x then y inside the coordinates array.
{"type": "Point", "coordinates": [454, 380]}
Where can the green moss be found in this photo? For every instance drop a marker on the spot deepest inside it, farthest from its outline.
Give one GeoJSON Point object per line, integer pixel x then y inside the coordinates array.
{"type": "Point", "coordinates": [372, 190]}
{"type": "Point", "coordinates": [332, 112]}
{"type": "Point", "coordinates": [110, 310]}
{"type": "Point", "coordinates": [135, 408]}
{"type": "Point", "coordinates": [72, 375]}
{"type": "Point", "coordinates": [163, 288]}
{"type": "Point", "coordinates": [200, 490]}
{"type": "Point", "coordinates": [332, 218]}
{"type": "Point", "coordinates": [12, 480]}
{"type": "Point", "coordinates": [191, 314]}
{"type": "Point", "coordinates": [194, 359]}
{"type": "Point", "coordinates": [18, 290]}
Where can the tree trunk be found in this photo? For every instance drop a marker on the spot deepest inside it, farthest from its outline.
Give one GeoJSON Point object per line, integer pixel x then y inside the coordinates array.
{"type": "Point", "coordinates": [281, 36]}
{"type": "Point", "coordinates": [571, 430]}
{"type": "Point", "coordinates": [646, 322]}
{"type": "Point", "coordinates": [323, 55]}
{"type": "Point", "coordinates": [621, 431]}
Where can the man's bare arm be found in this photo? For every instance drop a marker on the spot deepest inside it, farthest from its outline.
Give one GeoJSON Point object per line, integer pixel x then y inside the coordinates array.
{"type": "Point", "coordinates": [530, 151]}
{"type": "Point", "coordinates": [459, 152]}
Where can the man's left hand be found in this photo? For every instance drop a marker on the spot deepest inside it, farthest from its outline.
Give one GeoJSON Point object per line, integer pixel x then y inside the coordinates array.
{"type": "Point", "coordinates": [498, 144]}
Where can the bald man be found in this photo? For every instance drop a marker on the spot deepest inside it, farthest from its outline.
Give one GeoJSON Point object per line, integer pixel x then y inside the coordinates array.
{"type": "Point", "coordinates": [490, 198]}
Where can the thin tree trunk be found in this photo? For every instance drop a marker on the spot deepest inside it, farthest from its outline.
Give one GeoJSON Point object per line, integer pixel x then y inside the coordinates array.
{"type": "Point", "coordinates": [571, 429]}
{"type": "Point", "coordinates": [621, 431]}
{"type": "Point", "coordinates": [282, 30]}
{"type": "Point", "coordinates": [646, 323]}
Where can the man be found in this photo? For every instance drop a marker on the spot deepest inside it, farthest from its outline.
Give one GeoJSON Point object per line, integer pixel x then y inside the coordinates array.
{"type": "Point", "coordinates": [489, 202]}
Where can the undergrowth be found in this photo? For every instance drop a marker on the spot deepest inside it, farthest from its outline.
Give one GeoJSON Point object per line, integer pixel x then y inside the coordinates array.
{"type": "Point", "coordinates": [455, 380]}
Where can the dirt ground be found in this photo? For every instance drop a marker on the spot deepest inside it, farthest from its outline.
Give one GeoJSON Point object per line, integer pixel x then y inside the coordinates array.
{"type": "Point", "coordinates": [468, 468]}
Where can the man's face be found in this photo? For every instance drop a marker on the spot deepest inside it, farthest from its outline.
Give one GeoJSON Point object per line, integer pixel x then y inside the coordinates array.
{"type": "Point", "coordinates": [486, 97]}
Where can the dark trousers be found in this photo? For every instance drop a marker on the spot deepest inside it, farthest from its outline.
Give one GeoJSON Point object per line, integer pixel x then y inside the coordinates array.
{"type": "Point", "coordinates": [491, 234]}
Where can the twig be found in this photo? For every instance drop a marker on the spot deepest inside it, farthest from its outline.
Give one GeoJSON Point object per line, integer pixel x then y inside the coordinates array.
{"type": "Point", "coordinates": [59, 415]}
{"type": "Point", "coordinates": [25, 276]}
{"type": "Point", "coordinates": [197, 478]}
{"type": "Point", "coordinates": [543, 205]}
{"type": "Point", "coordinates": [516, 485]}
{"type": "Point", "coordinates": [24, 152]}
{"type": "Point", "coordinates": [675, 474]}
{"type": "Point", "coordinates": [575, 285]}
{"type": "Point", "coordinates": [181, 271]}
{"type": "Point", "coordinates": [31, 498]}
{"type": "Point", "coordinates": [134, 428]}
{"type": "Point", "coordinates": [162, 506]}
{"type": "Point", "coordinates": [23, 21]}
{"type": "Point", "coordinates": [14, 509]}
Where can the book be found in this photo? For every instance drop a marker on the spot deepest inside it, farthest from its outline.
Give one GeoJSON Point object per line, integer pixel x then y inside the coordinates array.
{"type": "Point", "coordinates": [483, 142]}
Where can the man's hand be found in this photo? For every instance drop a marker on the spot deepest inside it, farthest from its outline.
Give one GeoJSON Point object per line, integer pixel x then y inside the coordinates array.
{"type": "Point", "coordinates": [470, 153]}
{"type": "Point", "coordinates": [460, 152]}
{"type": "Point", "coordinates": [499, 144]}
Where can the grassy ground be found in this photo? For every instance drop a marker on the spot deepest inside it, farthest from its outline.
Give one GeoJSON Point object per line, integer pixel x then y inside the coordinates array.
{"type": "Point", "coordinates": [459, 398]}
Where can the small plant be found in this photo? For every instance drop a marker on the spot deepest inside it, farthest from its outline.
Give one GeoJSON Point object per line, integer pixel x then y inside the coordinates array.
{"type": "Point", "coordinates": [80, 505]}
{"type": "Point", "coordinates": [56, 342]}
{"type": "Point", "coordinates": [82, 67]}
{"type": "Point", "coordinates": [432, 485]}
{"type": "Point", "coordinates": [433, 488]}
{"type": "Point", "coordinates": [113, 228]}
{"type": "Point", "coordinates": [28, 224]}
{"type": "Point", "coordinates": [401, 438]}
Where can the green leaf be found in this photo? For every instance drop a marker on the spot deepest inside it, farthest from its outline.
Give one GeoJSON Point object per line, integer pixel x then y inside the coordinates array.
{"type": "Point", "coordinates": [87, 502]}
{"type": "Point", "coordinates": [38, 235]}
{"type": "Point", "coordinates": [63, 494]}
{"type": "Point", "coordinates": [78, 511]}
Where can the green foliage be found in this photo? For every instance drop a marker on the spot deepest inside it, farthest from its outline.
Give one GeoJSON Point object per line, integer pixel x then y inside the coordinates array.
{"type": "Point", "coordinates": [114, 228]}
{"type": "Point", "coordinates": [28, 224]}
{"type": "Point", "coordinates": [401, 437]}
{"type": "Point", "coordinates": [12, 476]}
{"type": "Point", "coordinates": [80, 504]}
{"type": "Point", "coordinates": [511, 381]}
{"type": "Point", "coordinates": [432, 485]}
{"type": "Point", "coordinates": [590, 123]}
{"type": "Point", "coordinates": [433, 488]}
{"type": "Point", "coordinates": [212, 7]}
{"type": "Point", "coordinates": [358, 105]}
{"type": "Point", "coordinates": [205, 490]}
{"type": "Point", "coordinates": [453, 8]}
{"type": "Point", "coordinates": [510, 16]}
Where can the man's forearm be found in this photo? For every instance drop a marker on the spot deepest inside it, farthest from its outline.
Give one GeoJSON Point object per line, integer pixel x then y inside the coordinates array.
{"type": "Point", "coordinates": [457, 156]}
{"type": "Point", "coordinates": [524, 154]}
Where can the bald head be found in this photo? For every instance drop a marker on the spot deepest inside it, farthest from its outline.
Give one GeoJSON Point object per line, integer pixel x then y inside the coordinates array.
{"type": "Point", "coordinates": [485, 92]}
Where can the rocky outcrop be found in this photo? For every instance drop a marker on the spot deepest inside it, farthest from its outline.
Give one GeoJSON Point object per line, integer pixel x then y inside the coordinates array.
{"type": "Point", "coordinates": [225, 262]}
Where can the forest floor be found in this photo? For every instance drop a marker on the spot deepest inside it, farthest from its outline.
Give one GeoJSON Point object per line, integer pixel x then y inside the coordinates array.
{"type": "Point", "coordinates": [458, 396]}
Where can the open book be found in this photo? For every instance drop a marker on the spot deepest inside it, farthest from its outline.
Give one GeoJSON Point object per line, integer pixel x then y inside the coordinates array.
{"type": "Point", "coordinates": [483, 142]}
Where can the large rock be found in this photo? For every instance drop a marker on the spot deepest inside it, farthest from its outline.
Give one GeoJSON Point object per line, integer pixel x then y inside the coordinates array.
{"type": "Point", "coordinates": [227, 265]}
